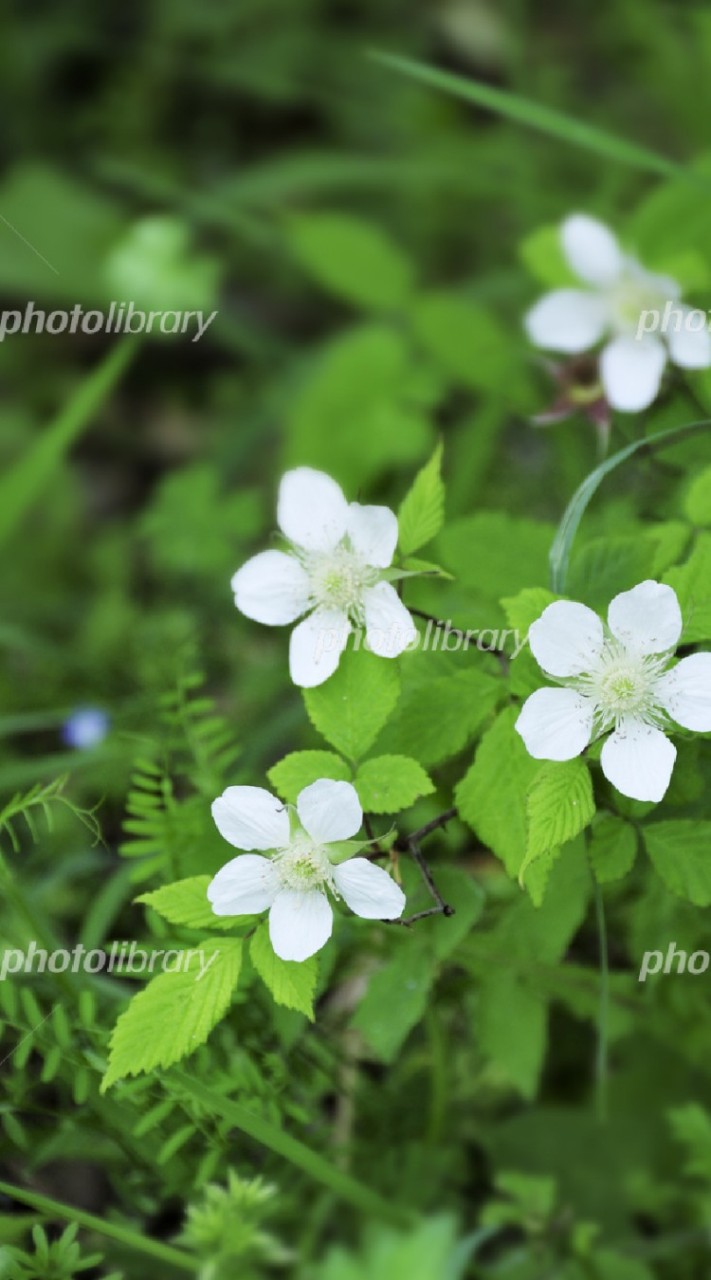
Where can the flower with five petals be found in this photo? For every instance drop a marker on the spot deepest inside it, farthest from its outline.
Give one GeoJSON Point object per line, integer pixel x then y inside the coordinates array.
{"type": "Point", "coordinates": [618, 680]}
{"type": "Point", "coordinates": [298, 863]}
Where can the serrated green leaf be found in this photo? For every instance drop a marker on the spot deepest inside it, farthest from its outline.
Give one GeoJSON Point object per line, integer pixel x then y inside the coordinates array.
{"type": "Point", "coordinates": [559, 806]}
{"type": "Point", "coordinates": [352, 258]}
{"type": "Point", "coordinates": [387, 784]}
{"type": "Point", "coordinates": [612, 849]}
{"type": "Point", "coordinates": [352, 706]}
{"type": "Point", "coordinates": [298, 770]}
{"type": "Point", "coordinates": [421, 512]}
{"type": "Point", "coordinates": [439, 713]}
{"type": "Point", "coordinates": [491, 796]}
{"type": "Point", "coordinates": [396, 999]}
{"type": "Point", "coordinates": [175, 1013]}
{"type": "Point", "coordinates": [681, 853]}
{"type": "Point", "coordinates": [186, 903]}
{"type": "Point", "coordinates": [291, 983]}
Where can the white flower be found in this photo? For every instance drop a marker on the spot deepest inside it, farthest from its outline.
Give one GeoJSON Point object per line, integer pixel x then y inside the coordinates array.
{"type": "Point", "coordinates": [573, 320]}
{"type": "Point", "coordinates": [617, 677]}
{"type": "Point", "coordinates": [333, 572]}
{"type": "Point", "coordinates": [293, 882]}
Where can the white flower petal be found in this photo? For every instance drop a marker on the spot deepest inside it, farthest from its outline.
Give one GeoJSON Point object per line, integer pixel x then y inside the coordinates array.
{"type": "Point", "coordinates": [389, 626]}
{"type": "Point", "coordinates": [638, 760]}
{"type": "Point", "coordinates": [685, 692]}
{"type": "Point", "coordinates": [312, 510]}
{"type": "Point", "coordinates": [631, 370]}
{"type": "Point", "coordinates": [591, 249]}
{"type": "Point", "coordinates": [689, 348]}
{"type": "Point", "coordinates": [646, 619]}
{"type": "Point", "coordinates": [316, 646]}
{"type": "Point", "coordinates": [251, 818]}
{"type": "Point", "coordinates": [555, 724]}
{"type": "Point", "coordinates": [568, 320]}
{"type": "Point", "coordinates": [566, 639]}
{"type": "Point", "coordinates": [272, 588]}
{"type": "Point", "coordinates": [300, 923]}
{"type": "Point", "coordinates": [329, 810]}
{"type": "Point", "coordinates": [244, 886]}
{"type": "Point", "coordinates": [368, 890]}
{"type": "Point", "coordinates": [373, 533]}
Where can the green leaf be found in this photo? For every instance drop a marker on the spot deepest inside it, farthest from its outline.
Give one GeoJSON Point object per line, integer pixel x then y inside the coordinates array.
{"type": "Point", "coordinates": [497, 554]}
{"type": "Point", "coordinates": [681, 853]}
{"type": "Point", "coordinates": [291, 983]}
{"type": "Point", "coordinates": [512, 1029]}
{"type": "Point", "coordinates": [534, 115]}
{"type": "Point", "coordinates": [612, 849]}
{"type": "Point", "coordinates": [491, 796]}
{"type": "Point", "coordinates": [468, 342]}
{"type": "Point", "coordinates": [352, 706]}
{"type": "Point", "coordinates": [606, 566]}
{"type": "Point", "coordinates": [542, 253]}
{"type": "Point", "coordinates": [396, 999]}
{"type": "Point", "coordinates": [387, 784]}
{"type": "Point", "coordinates": [439, 713]}
{"type": "Point", "coordinates": [691, 583]}
{"type": "Point", "coordinates": [351, 258]}
{"type": "Point", "coordinates": [691, 1126]}
{"type": "Point", "coordinates": [560, 805]}
{"type": "Point", "coordinates": [421, 513]}
{"type": "Point", "coordinates": [185, 902]}
{"type": "Point", "coordinates": [697, 503]}
{"type": "Point", "coordinates": [362, 380]}
{"type": "Point", "coordinates": [175, 1013]}
{"type": "Point", "coordinates": [299, 769]}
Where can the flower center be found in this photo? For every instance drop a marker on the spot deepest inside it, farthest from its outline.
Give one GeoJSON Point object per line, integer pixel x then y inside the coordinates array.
{"type": "Point", "coordinates": [304, 865]}
{"type": "Point", "coordinates": [339, 578]}
{"type": "Point", "coordinates": [635, 292]}
{"type": "Point", "coordinates": [622, 683]}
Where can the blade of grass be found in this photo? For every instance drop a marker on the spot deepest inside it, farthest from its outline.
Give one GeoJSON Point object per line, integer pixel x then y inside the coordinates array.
{"type": "Point", "coordinates": [112, 1230]}
{"type": "Point", "coordinates": [23, 483]}
{"type": "Point", "coordinates": [534, 115]}
{"type": "Point", "coordinates": [296, 1152]}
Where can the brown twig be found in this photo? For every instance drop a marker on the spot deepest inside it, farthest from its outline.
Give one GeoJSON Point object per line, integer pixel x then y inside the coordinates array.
{"type": "Point", "coordinates": [411, 844]}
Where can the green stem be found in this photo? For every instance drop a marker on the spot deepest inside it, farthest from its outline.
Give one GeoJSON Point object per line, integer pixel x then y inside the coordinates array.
{"type": "Point", "coordinates": [559, 555]}
{"type": "Point", "coordinates": [112, 1230]}
{"type": "Point", "coordinates": [601, 1062]}
{"type": "Point", "coordinates": [339, 1183]}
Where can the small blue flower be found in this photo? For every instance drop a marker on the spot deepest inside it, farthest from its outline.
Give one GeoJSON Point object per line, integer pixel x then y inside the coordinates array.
{"type": "Point", "coordinates": [86, 727]}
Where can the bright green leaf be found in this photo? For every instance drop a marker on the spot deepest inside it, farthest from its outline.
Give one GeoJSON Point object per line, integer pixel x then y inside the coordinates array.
{"type": "Point", "coordinates": [291, 983]}
{"type": "Point", "coordinates": [175, 1013]}
{"type": "Point", "coordinates": [421, 513]}
{"type": "Point", "coordinates": [351, 258]}
{"type": "Point", "coordinates": [387, 784]}
{"type": "Point", "coordinates": [298, 770]}
{"type": "Point", "coordinates": [352, 706]}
